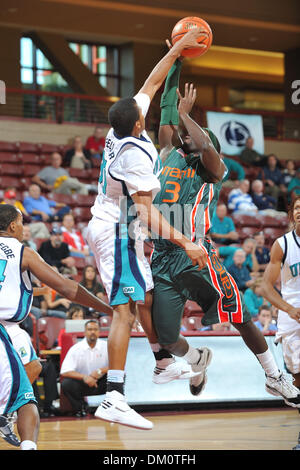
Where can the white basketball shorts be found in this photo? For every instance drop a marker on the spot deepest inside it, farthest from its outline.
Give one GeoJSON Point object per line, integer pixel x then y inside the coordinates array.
{"type": "Point", "coordinates": [121, 262]}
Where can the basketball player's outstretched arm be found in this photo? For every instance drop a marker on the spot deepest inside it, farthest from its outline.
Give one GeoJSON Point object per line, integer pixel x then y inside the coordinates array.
{"type": "Point", "coordinates": [160, 71]}
{"type": "Point", "coordinates": [209, 156]}
{"type": "Point", "coordinates": [270, 277]}
{"type": "Point", "coordinates": [67, 288]}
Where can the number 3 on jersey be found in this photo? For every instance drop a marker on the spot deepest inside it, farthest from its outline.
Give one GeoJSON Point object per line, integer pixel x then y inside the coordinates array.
{"type": "Point", "coordinates": [175, 191]}
{"type": "Point", "coordinates": [3, 264]}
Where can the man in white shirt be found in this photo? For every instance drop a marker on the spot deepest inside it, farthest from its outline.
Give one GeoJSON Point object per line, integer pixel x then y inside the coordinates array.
{"type": "Point", "coordinates": [84, 368]}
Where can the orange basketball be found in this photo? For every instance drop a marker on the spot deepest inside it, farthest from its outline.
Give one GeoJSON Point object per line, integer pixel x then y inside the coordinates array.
{"type": "Point", "coordinates": [183, 26]}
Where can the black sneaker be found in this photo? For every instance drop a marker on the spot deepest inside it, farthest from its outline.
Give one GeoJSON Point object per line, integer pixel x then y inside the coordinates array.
{"type": "Point", "coordinates": [6, 430]}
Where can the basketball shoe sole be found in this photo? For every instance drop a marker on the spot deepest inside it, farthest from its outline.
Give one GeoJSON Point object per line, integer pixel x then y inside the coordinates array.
{"type": "Point", "coordinates": [197, 384]}
{"type": "Point", "coordinates": [174, 371]}
{"type": "Point", "coordinates": [282, 387]}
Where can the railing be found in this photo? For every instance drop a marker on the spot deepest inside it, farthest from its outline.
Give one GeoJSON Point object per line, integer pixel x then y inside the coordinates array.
{"type": "Point", "coordinates": [56, 107]}
{"type": "Point", "coordinates": [68, 107]}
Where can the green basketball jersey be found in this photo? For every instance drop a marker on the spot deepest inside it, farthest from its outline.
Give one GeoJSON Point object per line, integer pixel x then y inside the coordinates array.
{"type": "Point", "coordinates": [186, 200]}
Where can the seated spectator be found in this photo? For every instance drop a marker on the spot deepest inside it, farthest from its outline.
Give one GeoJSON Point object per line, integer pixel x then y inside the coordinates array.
{"type": "Point", "coordinates": [73, 237]}
{"type": "Point", "coordinates": [95, 143]}
{"type": "Point", "coordinates": [223, 230]}
{"type": "Point", "coordinates": [10, 197]}
{"type": "Point", "coordinates": [262, 253]}
{"type": "Point", "coordinates": [75, 312]}
{"type": "Point", "coordinates": [261, 200]}
{"type": "Point", "coordinates": [90, 282]}
{"type": "Point", "coordinates": [264, 319]}
{"type": "Point", "coordinates": [240, 201]}
{"type": "Point", "coordinates": [249, 247]}
{"type": "Point", "coordinates": [253, 297]}
{"type": "Point", "coordinates": [56, 253]}
{"type": "Point", "coordinates": [84, 368]}
{"type": "Point", "coordinates": [232, 166]}
{"type": "Point", "coordinates": [294, 186]}
{"type": "Point", "coordinates": [77, 156]}
{"type": "Point", "coordinates": [27, 238]}
{"type": "Point", "coordinates": [251, 156]}
{"type": "Point", "coordinates": [272, 177]}
{"type": "Point", "coordinates": [42, 209]}
{"type": "Point", "coordinates": [225, 326]}
{"type": "Point", "coordinates": [239, 272]}
{"type": "Point", "coordinates": [288, 173]}
{"type": "Point", "coordinates": [57, 179]}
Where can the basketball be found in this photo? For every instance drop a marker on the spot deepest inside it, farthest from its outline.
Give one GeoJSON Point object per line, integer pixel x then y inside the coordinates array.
{"type": "Point", "coordinates": [183, 26]}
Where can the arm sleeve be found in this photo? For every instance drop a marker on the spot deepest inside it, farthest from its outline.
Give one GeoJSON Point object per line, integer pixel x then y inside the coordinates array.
{"type": "Point", "coordinates": [69, 363]}
{"type": "Point", "coordinates": [134, 167]}
{"type": "Point", "coordinates": [168, 102]}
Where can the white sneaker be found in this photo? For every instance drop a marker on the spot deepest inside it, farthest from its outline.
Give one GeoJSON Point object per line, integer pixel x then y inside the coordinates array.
{"type": "Point", "coordinates": [174, 371]}
{"type": "Point", "coordinates": [115, 409]}
{"type": "Point", "coordinates": [198, 383]}
{"type": "Point", "coordinates": [283, 387]}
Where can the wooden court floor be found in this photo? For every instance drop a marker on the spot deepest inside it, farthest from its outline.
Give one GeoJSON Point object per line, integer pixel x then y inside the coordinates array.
{"type": "Point", "coordinates": [272, 429]}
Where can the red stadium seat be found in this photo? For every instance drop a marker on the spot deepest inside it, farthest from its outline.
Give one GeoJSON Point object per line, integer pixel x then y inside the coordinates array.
{"type": "Point", "coordinates": [48, 329]}
{"type": "Point", "coordinates": [67, 199]}
{"type": "Point", "coordinates": [105, 322]}
{"type": "Point", "coordinates": [272, 233]}
{"type": "Point", "coordinates": [49, 148]}
{"type": "Point", "coordinates": [11, 169]}
{"type": "Point", "coordinates": [80, 263]}
{"type": "Point", "coordinates": [82, 214]}
{"type": "Point", "coordinates": [31, 170]}
{"type": "Point", "coordinates": [31, 158]}
{"type": "Point", "coordinates": [6, 157]}
{"type": "Point", "coordinates": [82, 200]}
{"type": "Point", "coordinates": [246, 232]}
{"type": "Point", "coordinates": [241, 220]}
{"type": "Point", "coordinates": [9, 181]}
{"type": "Point", "coordinates": [268, 221]}
{"type": "Point", "coordinates": [28, 147]}
{"type": "Point", "coordinates": [192, 308]}
{"type": "Point", "coordinates": [24, 183]}
{"type": "Point", "coordinates": [8, 147]}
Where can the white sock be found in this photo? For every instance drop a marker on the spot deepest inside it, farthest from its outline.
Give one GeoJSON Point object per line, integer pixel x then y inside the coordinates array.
{"type": "Point", "coordinates": [268, 363]}
{"type": "Point", "coordinates": [114, 375]}
{"type": "Point", "coordinates": [192, 356]}
{"type": "Point", "coordinates": [28, 445]}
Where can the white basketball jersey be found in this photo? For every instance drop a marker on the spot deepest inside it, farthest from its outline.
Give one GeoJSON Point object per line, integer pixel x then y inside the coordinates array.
{"type": "Point", "coordinates": [290, 279]}
{"type": "Point", "coordinates": [129, 165]}
{"type": "Point", "coordinates": [15, 286]}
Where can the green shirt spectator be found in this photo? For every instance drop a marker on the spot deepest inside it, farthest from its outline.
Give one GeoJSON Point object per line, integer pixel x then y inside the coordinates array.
{"type": "Point", "coordinates": [223, 228]}
{"type": "Point", "coordinates": [233, 165]}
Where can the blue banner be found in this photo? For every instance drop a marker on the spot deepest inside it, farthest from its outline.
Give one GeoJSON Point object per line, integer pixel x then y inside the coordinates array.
{"type": "Point", "coordinates": [233, 130]}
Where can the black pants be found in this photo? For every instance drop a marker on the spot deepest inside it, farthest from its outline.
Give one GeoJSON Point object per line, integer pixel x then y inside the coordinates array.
{"type": "Point", "coordinates": [49, 375]}
{"type": "Point", "coordinates": [75, 390]}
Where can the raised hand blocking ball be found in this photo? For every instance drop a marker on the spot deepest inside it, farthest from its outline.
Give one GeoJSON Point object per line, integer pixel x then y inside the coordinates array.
{"type": "Point", "coordinates": [183, 26]}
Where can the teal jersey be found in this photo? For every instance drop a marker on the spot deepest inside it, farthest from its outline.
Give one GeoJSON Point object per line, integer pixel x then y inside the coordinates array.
{"type": "Point", "coordinates": [186, 199]}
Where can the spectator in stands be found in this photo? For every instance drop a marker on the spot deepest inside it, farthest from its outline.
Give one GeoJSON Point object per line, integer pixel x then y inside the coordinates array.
{"type": "Point", "coordinates": [27, 238]}
{"type": "Point", "coordinates": [78, 156]}
{"type": "Point", "coordinates": [56, 253]}
{"type": "Point", "coordinates": [261, 200]}
{"type": "Point", "coordinates": [262, 252]}
{"type": "Point", "coordinates": [75, 312]}
{"type": "Point", "coordinates": [233, 167]}
{"type": "Point", "coordinates": [264, 320]}
{"type": "Point", "coordinates": [288, 173]}
{"type": "Point", "coordinates": [272, 177]}
{"type": "Point", "coordinates": [95, 143]}
{"type": "Point", "coordinates": [251, 156]}
{"type": "Point", "coordinates": [294, 186]}
{"type": "Point", "coordinates": [73, 237]}
{"type": "Point", "coordinates": [239, 271]}
{"type": "Point", "coordinates": [253, 297]}
{"type": "Point", "coordinates": [10, 197]}
{"type": "Point", "coordinates": [225, 326]}
{"type": "Point", "coordinates": [240, 201]}
{"type": "Point", "coordinates": [223, 228]}
{"type": "Point", "coordinates": [84, 369]}
{"type": "Point", "coordinates": [57, 179]}
{"type": "Point", "coordinates": [90, 282]}
{"type": "Point", "coordinates": [42, 209]}
{"type": "Point", "coordinates": [249, 247]}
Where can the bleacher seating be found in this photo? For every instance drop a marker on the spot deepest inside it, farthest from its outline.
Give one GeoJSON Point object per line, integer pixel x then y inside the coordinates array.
{"type": "Point", "coordinates": [48, 329]}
